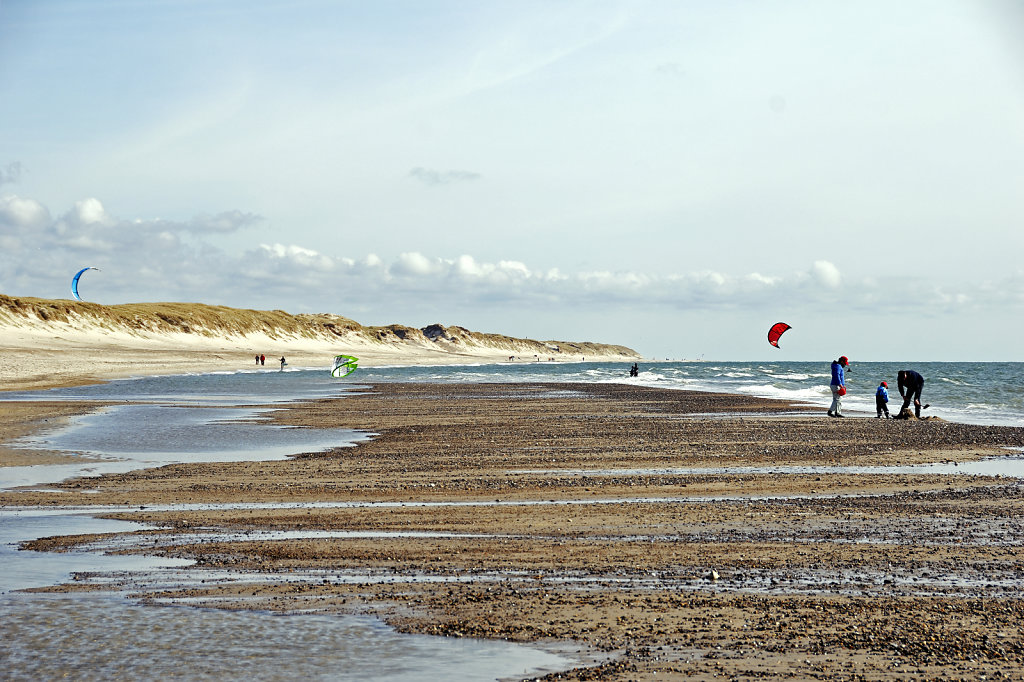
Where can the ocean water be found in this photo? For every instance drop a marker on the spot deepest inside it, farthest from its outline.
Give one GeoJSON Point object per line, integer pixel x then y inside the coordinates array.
{"type": "Point", "coordinates": [966, 392]}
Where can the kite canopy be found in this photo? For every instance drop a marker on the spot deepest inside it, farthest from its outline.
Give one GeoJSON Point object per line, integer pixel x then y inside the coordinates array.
{"type": "Point", "coordinates": [777, 330]}
{"type": "Point", "coordinates": [343, 365]}
{"type": "Point", "coordinates": [74, 282]}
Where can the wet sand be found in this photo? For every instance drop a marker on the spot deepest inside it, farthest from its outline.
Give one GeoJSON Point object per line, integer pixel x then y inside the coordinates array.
{"type": "Point", "coordinates": [21, 419]}
{"type": "Point", "coordinates": [526, 529]}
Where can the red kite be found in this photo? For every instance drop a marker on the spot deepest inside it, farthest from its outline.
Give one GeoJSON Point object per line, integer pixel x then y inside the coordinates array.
{"type": "Point", "coordinates": [776, 331]}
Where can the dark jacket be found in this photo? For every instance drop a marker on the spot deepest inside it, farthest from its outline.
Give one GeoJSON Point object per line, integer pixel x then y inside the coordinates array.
{"type": "Point", "coordinates": [910, 381]}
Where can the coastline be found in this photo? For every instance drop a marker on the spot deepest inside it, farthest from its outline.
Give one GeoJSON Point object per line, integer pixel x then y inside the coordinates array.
{"type": "Point", "coordinates": [34, 361]}
{"type": "Point", "coordinates": [524, 538]}
{"type": "Point", "coordinates": [74, 344]}
{"type": "Point", "coordinates": [50, 343]}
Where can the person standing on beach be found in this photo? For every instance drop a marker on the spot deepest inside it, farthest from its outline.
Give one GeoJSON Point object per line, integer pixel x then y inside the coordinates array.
{"type": "Point", "coordinates": [282, 363]}
{"type": "Point", "coordinates": [263, 359]}
{"type": "Point", "coordinates": [838, 386]}
{"type": "Point", "coordinates": [910, 384]}
{"type": "Point", "coordinates": [881, 400]}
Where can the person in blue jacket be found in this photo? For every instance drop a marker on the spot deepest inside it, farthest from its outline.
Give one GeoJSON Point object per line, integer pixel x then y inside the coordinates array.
{"type": "Point", "coordinates": [881, 400]}
{"type": "Point", "coordinates": [838, 386]}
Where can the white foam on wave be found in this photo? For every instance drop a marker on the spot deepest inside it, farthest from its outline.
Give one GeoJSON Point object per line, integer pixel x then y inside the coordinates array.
{"type": "Point", "coordinates": [811, 395]}
{"type": "Point", "coordinates": [791, 377]}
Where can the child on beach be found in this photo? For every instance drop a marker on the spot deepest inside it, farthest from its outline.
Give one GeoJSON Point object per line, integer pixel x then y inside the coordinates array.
{"type": "Point", "coordinates": [881, 398]}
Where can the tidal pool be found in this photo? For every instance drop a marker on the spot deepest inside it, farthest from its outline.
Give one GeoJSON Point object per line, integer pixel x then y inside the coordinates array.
{"type": "Point", "coordinates": [106, 637]}
{"type": "Point", "coordinates": [124, 438]}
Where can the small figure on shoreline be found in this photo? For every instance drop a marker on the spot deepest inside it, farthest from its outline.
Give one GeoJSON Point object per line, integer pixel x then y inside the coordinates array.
{"type": "Point", "coordinates": [838, 385]}
{"type": "Point", "coordinates": [257, 359]}
{"type": "Point", "coordinates": [283, 363]}
{"type": "Point", "coordinates": [910, 384]}
{"type": "Point", "coordinates": [634, 371]}
{"type": "Point", "coordinates": [881, 398]}
{"type": "Point", "coordinates": [263, 359]}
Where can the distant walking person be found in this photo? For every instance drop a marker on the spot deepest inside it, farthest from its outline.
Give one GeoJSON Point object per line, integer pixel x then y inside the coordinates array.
{"type": "Point", "coordinates": [257, 359]}
{"type": "Point", "coordinates": [283, 363]}
{"type": "Point", "coordinates": [881, 400]}
{"type": "Point", "coordinates": [838, 386]}
{"type": "Point", "coordinates": [910, 384]}
{"type": "Point", "coordinates": [263, 359]}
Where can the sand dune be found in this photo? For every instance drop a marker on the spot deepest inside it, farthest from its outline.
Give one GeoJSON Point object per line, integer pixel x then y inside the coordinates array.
{"type": "Point", "coordinates": [59, 342]}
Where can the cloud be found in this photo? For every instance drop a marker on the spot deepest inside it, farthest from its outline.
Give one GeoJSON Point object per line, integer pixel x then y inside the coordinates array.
{"type": "Point", "coordinates": [87, 212]}
{"type": "Point", "coordinates": [223, 223]}
{"type": "Point", "coordinates": [10, 174]}
{"type": "Point", "coordinates": [826, 274]}
{"type": "Point", "coordinates": [434, 178]}
{"type": "Point", "coordinates": [17, 214]}
{"type": "Point", "coordinates": [164, 260]}
{"type": "Point", "coordinates": [416, 265]}
{"type": "Point", "coordinates": [298, 256]}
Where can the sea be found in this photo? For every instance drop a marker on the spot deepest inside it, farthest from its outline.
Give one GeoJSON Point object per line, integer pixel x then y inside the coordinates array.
{"type": "Point", "coordinates": [220, 416]}
{"type": "Point", "coordinates": [966, 392]}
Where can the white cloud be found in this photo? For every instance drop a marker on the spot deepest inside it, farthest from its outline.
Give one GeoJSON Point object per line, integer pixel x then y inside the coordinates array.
{"type": "Point", "coordinates": [298, 256]}
{"type": "Point", "coordinates": [466, 265]}
{"type": "Point", "coordinates": [89, 211]}
{"type": "Point", "coordinates": [20, 214]}
{"type": "Point", "coordinates": [757, 278]}
{"type": "Point", "coordinates": [415, 265]}
{"type": "Point", "coordinates": [826, 274]}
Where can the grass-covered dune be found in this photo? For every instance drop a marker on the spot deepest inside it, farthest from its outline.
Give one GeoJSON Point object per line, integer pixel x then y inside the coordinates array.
{"type": "Point", "coordinates": [51, 341]}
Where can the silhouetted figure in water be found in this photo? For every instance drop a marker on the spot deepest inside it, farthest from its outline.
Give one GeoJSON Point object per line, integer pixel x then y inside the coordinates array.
{"type": "Point", "coordinates": [634, 371]}
{"type": "Point", "coordinates": [283, 363]}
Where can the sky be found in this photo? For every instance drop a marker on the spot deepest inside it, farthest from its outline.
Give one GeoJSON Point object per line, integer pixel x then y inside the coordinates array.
{"type": "Point", "coordinates": [674, 176]}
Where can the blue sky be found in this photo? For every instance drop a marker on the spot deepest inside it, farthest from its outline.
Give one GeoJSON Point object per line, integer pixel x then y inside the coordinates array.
{"type": "Point", "coordinates": [673, 176]}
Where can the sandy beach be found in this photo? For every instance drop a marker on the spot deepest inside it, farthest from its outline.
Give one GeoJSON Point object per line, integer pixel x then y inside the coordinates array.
{"type": "Point", "coordinates": [46, 343]}
{"type": "Point", "coordinates": [611, 517]}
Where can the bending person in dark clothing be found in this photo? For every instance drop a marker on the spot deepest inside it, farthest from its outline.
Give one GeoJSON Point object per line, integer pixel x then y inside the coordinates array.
{"type": "Point", "coordinates": [910, 384]}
